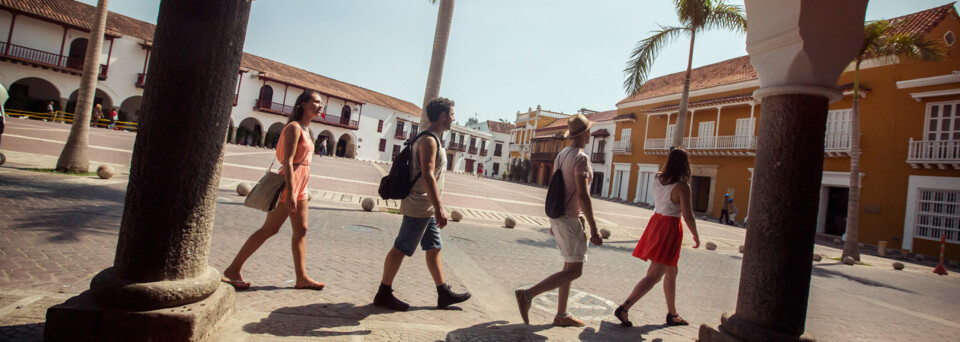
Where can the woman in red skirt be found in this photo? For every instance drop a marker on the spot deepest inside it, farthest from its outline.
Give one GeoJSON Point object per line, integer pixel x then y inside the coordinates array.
{"type": "Point", "coordinates": [660, 243]}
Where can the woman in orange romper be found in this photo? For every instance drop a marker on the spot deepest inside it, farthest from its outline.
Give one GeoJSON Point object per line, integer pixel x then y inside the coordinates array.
{"type": "Point", "coordinates": [294, 150]}
{"type": "Point", "coordinates": [660, 242]}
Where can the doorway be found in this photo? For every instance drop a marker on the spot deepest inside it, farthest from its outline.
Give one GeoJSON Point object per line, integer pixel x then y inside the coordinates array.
{"type": "Point", "coordinates": [700, 191]}
{"type": "Point", "coordinates": [836, 223]}
{"type": "Point", "coordinates": [449, 162]}
{"type": "Point", "coordinates": [596, 187]}
{"type": "Point", "coordinates": [341, 147]}
{"type": "Point", "coordinates": [469, 167]}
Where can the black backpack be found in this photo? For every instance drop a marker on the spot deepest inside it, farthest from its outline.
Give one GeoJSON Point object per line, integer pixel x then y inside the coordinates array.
{"type": "Point", "coordinates": [397, 184]}
{"type": "Point", "coordinates": [556, 203]}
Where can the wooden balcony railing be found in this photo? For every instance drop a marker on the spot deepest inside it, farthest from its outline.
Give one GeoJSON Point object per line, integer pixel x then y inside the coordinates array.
{"type": "Point", "coordinates": [934, 153]}
{"type": "Point", "coordinates": [272, 107]}
{"type": "Point", "coordinates": [141, 80]}
{"type": "Point", "coordinates": [458, 147]}
{"type": "Point", "coordinates": [622, 147]}
{"type": "Point", "coordinates": [483, 152]}
{"type": "Point", "coordinates": [47, 59]}
{"type": "Point", "coordinates": [334, 120]}
{"type": "Point", "coordinates": [543, 156]}
{"type": "Point", "coordinates": [473, 150]}
{"type": "Point", "coordinates": [598, 158]}
{"type": "Point", "coordinates": [400, 135]}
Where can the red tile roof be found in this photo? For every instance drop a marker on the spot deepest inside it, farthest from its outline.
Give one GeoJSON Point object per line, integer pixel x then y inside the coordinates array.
{"type": "Point", "coordinates": [703, 103]}
{"type": "Point", "coordinates": [602, 116]}
{"type": "Point", "coordinates": [739, 69]}
{"type": "Point", "coordinates": [500, 127]}
{"type": "Point", "coordinates": [78, 14]}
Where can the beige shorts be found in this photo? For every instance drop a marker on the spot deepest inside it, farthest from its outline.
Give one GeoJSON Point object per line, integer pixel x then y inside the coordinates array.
{"type": "Point", "coordinates": [571, 238]}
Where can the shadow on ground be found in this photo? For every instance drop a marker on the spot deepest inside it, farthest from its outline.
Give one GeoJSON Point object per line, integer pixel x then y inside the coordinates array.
{"type": "Point", "coordinates": [314, 320]}
{"type": "Point", "coordinates": [822, 271]}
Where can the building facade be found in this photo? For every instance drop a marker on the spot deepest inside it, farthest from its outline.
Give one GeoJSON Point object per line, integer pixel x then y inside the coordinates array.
{"type": "Point", "coordinates": [910, 141]}
{"type": "Point", "coordinates": [521, 147]}
{"type": "Point", "coordinates": [497, 158]}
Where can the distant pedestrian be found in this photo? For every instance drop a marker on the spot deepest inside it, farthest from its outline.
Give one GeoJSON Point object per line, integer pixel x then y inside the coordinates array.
{"type": "Point", "coordinates": [660, 242]}
{"type": "Point", "coordinates": [113, 118]}
{"type": "Point", "coordinates": [423, 214]}
{"type": "Point", "coordinates": [733, 213]}
{"type": "Point", "coordinates": [725, 210]}
{"type": "Point", "coordinates": [480, 170]}
{"type": "Point", "coordinates": [568, 229]}
{"type": "Point", "coordinates": [51, 113]}
{"type": "Point", "coordinates": [294, 151]}
{"type": "Point", "coordinates": [96, 115]}
{"type": "Point", "coordinates": [323, 146]}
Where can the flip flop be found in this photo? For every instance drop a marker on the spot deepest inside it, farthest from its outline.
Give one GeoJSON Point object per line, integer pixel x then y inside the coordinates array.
{"type": "Point", "coordinates": [315, 287]}
{"type": "Point", "coordinates": [238, 285]}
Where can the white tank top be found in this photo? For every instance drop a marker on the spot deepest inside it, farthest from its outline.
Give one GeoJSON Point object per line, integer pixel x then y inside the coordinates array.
{"type": "Point", "coordinates": [661, 199]}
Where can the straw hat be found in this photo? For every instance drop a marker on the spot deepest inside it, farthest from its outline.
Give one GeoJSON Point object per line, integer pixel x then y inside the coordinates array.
{"type": "Point", "coordinates": [576, 125]}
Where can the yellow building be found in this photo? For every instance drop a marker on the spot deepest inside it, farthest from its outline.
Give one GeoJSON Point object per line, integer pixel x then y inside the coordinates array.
{"type": "Point", "coordinates": [910, 141]}
{"type": "Point", "coordinates": [526, 126]}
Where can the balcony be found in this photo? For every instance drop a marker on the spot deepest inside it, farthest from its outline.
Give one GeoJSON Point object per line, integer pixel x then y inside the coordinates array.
{"type": "Point", "coordinates": [543, 156]}
{"type": "Point", "coordinates": [473, 150]}
{"type": "Point", "coordinates": [142, 79]}
{"type": "Point", "coordinates": [413, 134]}
{"type": "Point", "coordinates": [483, 152]}
{"type": "Point", "coordinates": [837, 144]}
{"type": "Point", "coordinates": [623, 147]}
{"type": "Point", "coordinates": [337, 121]}
{"type": "Point", "coordinates": [928, 154]}
{"type": "Point", "coordinates": [46, 59]}
{"type": "Point", "coordinates": [598, 158]}
{"type": "Point", "coordinates": [726, 145]}
{"type": "Point", "coordinates": [458, 147]}
{"type": "Point", "coordinates": [272, 107]}
{"type": "Point", "coordinates": [400, 135]}
{"type": "Point", "coordinates": [514, 148]}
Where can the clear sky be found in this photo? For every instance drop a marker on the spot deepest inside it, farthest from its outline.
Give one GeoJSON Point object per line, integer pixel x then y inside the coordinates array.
{"type": "Point", "coordinates": [503, 56]}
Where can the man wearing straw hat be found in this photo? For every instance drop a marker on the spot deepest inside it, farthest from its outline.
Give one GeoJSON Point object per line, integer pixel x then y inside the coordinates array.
{"type": "Point", "coordinates": [569, 229]}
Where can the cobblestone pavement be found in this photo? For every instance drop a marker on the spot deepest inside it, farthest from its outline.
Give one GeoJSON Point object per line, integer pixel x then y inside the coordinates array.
{"type": "Point", "coordinates": [56, 232]}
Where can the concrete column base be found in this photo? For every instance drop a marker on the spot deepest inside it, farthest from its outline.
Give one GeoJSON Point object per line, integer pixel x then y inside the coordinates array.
{"type": "Point", "coordinates": [81, 319]}
{"type": "Point", "coordinates": [732, 329]}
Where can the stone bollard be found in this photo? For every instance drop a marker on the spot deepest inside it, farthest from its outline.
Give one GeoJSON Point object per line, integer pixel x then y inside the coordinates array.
{"type": "Point", "coordinates": [817, 257]}
{"type": "Point", "coordinates": [741, 249]}
{"type": "Point", "coordinates": [711, 246]}
{"type": "Point", "coordinates": [605, 233]}
{"type": "Point", "coordinates": [3, 158]}
{"type": "Point", "coordinates": [243, 189]}
{"type": "Point", "coordinates": [456, 215]}
{"type": "Point", "coordinates": [509, 222]}
{"type": "Point", "coordinates": [105, 171]}
{"type": "Point", "coordinates": [837, 241]}
{"type": "Point", "coordinates": [898, 266]}
{"type": "Point", "coordinates": [882, 248]}
{"type": "Point", "coordinates": [919, 257]}
{"type": "Point", "coordinates": [849, 260]}
{"type": "Point", "coordinates": [367, 204]}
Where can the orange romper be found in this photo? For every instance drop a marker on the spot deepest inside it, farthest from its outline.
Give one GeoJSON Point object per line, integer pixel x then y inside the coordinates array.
{"type": "Point", "coordinates": [301, 163]}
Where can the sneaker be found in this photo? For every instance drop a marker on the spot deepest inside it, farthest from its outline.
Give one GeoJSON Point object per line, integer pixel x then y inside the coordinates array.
{"type": "Point", "coordinates": [446, 297]}
{"type": "Point", "coordinates": [568, 321]}
{"type": "Point", "coordinates": [386, 299]}
{"type": "Point", "coordinates": [524, 304]}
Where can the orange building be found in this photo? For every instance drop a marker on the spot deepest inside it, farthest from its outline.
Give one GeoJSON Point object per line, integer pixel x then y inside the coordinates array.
{"type": "Point", "coordinates": [521, 136]}
{"type": "Point", "coordinates": [910, 141]}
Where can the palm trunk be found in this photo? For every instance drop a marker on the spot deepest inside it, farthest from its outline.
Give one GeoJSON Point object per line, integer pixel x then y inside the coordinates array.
{"type": "Point", "coordinates": [440, 37]}
{"type": "Point", "coordinates": [73, 158]}
{"type": "Point", "coordinates": [682, 115]}
{"type": "Point", "coordinates": [852, 246]}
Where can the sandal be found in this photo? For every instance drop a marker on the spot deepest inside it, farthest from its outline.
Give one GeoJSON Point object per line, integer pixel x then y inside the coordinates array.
{"type": "Point", "coordinates": [671, 322]}
{"type": "Point", "coordinates": [623, 321]}
{"type": "Point", "coordinates": [315, 287]}
{"type": "Point", "coordinates": [238, 285]}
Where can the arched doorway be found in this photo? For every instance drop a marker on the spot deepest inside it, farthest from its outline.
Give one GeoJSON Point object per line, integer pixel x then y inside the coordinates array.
{"type": "Point", "coordinates": [248, 133]}
{"type": "Point", "coordinates": [100, 98]}
{"type": "Point", "coordinates": [345, 114]}
{"type": "Point", "coordinates": [266, 96]}
{"type": "Point", "coordinates": [273, 135]}
{"type": "Point", "coordinates": [325, 137]}
{"type": "Point", "coordinates": [33, 94]}
{"type": "Point", "coordinates": [77, 54]}
{"type": "Point", "coordinates": [346, 147]}
{"type": "Point", "coordinates": [130, 109]}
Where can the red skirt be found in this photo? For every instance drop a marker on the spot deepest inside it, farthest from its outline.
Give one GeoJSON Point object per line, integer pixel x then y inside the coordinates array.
{"type": "Point", "coordinates": [661, 240]}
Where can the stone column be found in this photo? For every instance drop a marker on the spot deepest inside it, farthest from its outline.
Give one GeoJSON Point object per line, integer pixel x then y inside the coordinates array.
{"type": "Point", "coordinates": [165, 231]}
{"type": "Point", "coordinates": [799, 49]}
{"type": "Point", "coordinates": [232, 137]}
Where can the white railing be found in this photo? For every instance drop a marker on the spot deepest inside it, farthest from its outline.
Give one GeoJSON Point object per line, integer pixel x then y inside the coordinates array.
{"type": "Point", "coordinates": [623, 146]}
{"type": "Point", "coordinates": [514, 148]}
{"type": "Point", "coordinates": [726, 142]}
{"type": "Point", "coordinates": [655, 144]}
{"type": "Point", "coordinates": [934, 151]}
{"type": "Point", "coordinates": [837, 141]}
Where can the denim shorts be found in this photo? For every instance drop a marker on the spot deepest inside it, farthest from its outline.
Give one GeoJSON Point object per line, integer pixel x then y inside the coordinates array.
{"type": "Point", "coordinates": [417, 229]}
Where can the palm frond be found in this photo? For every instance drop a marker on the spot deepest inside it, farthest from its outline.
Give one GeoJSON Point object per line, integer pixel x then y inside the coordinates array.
{"type": "Point", "coordinates": [727, 17]}
{"type": "Point", "coordinates": [880, 42]}
{"type": "Point", "coordinates": [693, 13]}
{"type": "Point", "coordinates": [643, 55]}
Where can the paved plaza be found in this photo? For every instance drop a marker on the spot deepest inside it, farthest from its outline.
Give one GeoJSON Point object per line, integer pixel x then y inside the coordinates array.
{"type": "Point", "coordinates": [57, 232]}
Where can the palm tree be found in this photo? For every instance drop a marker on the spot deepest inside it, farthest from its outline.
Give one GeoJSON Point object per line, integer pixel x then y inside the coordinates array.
{"type": "Point", "coordinates": [885, 41]}
{"type": "Point", "coordinates": [695, 16]}
{"type": "Point", "coordinates": [440, 37]}
{"type": "Point", "coordinates": [73, 158]}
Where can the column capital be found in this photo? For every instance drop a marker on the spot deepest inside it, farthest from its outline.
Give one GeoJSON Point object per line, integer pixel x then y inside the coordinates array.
{"type": "Point", "coordinates": [802, 46]}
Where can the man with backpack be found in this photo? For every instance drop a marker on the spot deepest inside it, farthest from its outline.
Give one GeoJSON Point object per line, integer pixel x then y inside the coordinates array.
{"type": "Point", "coordinates": [568, 196]}
{"type": "Point", "coordinates": [423, 214]}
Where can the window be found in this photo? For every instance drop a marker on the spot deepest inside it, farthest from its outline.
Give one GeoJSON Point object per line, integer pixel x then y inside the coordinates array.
{"type": "Point", "coordinates": [414, 129]}
{"type": "Point", "coordinates": [744, 133]}
{"type": "Point", "coordinates": [625, 134]}
{"type": "Point", "coordinates": [380, 128]}
{"type": "Point", "coordinates": [669, 140]}
{"type": "Point", "coordinates": [399, 128]}
{"type": "Point", "coordinates": [938, 212]}
{"type": "Point", "coordinates": [949, 38]}
{"type": "Point", "coordinates": [705, 138]}
{"type": "Point", "coordinates": [497, 151]}
{"type": "Point", "coordinates": [383, 145]}
{"type": "Point", "coordinates": [396, 151]}
{"type": "Point", "coordinates": [943, 121]}
{"type": "Point", "coordinates": [838, 129]}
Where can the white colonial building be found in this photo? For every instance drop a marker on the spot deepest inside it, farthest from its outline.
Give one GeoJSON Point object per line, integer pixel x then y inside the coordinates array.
{"type": "Point", "coordinates": [600, 149]}
{"type": "Point", "coordinates": [44, 43]}
{"type": "Point", "coordinates": [495, 163]}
